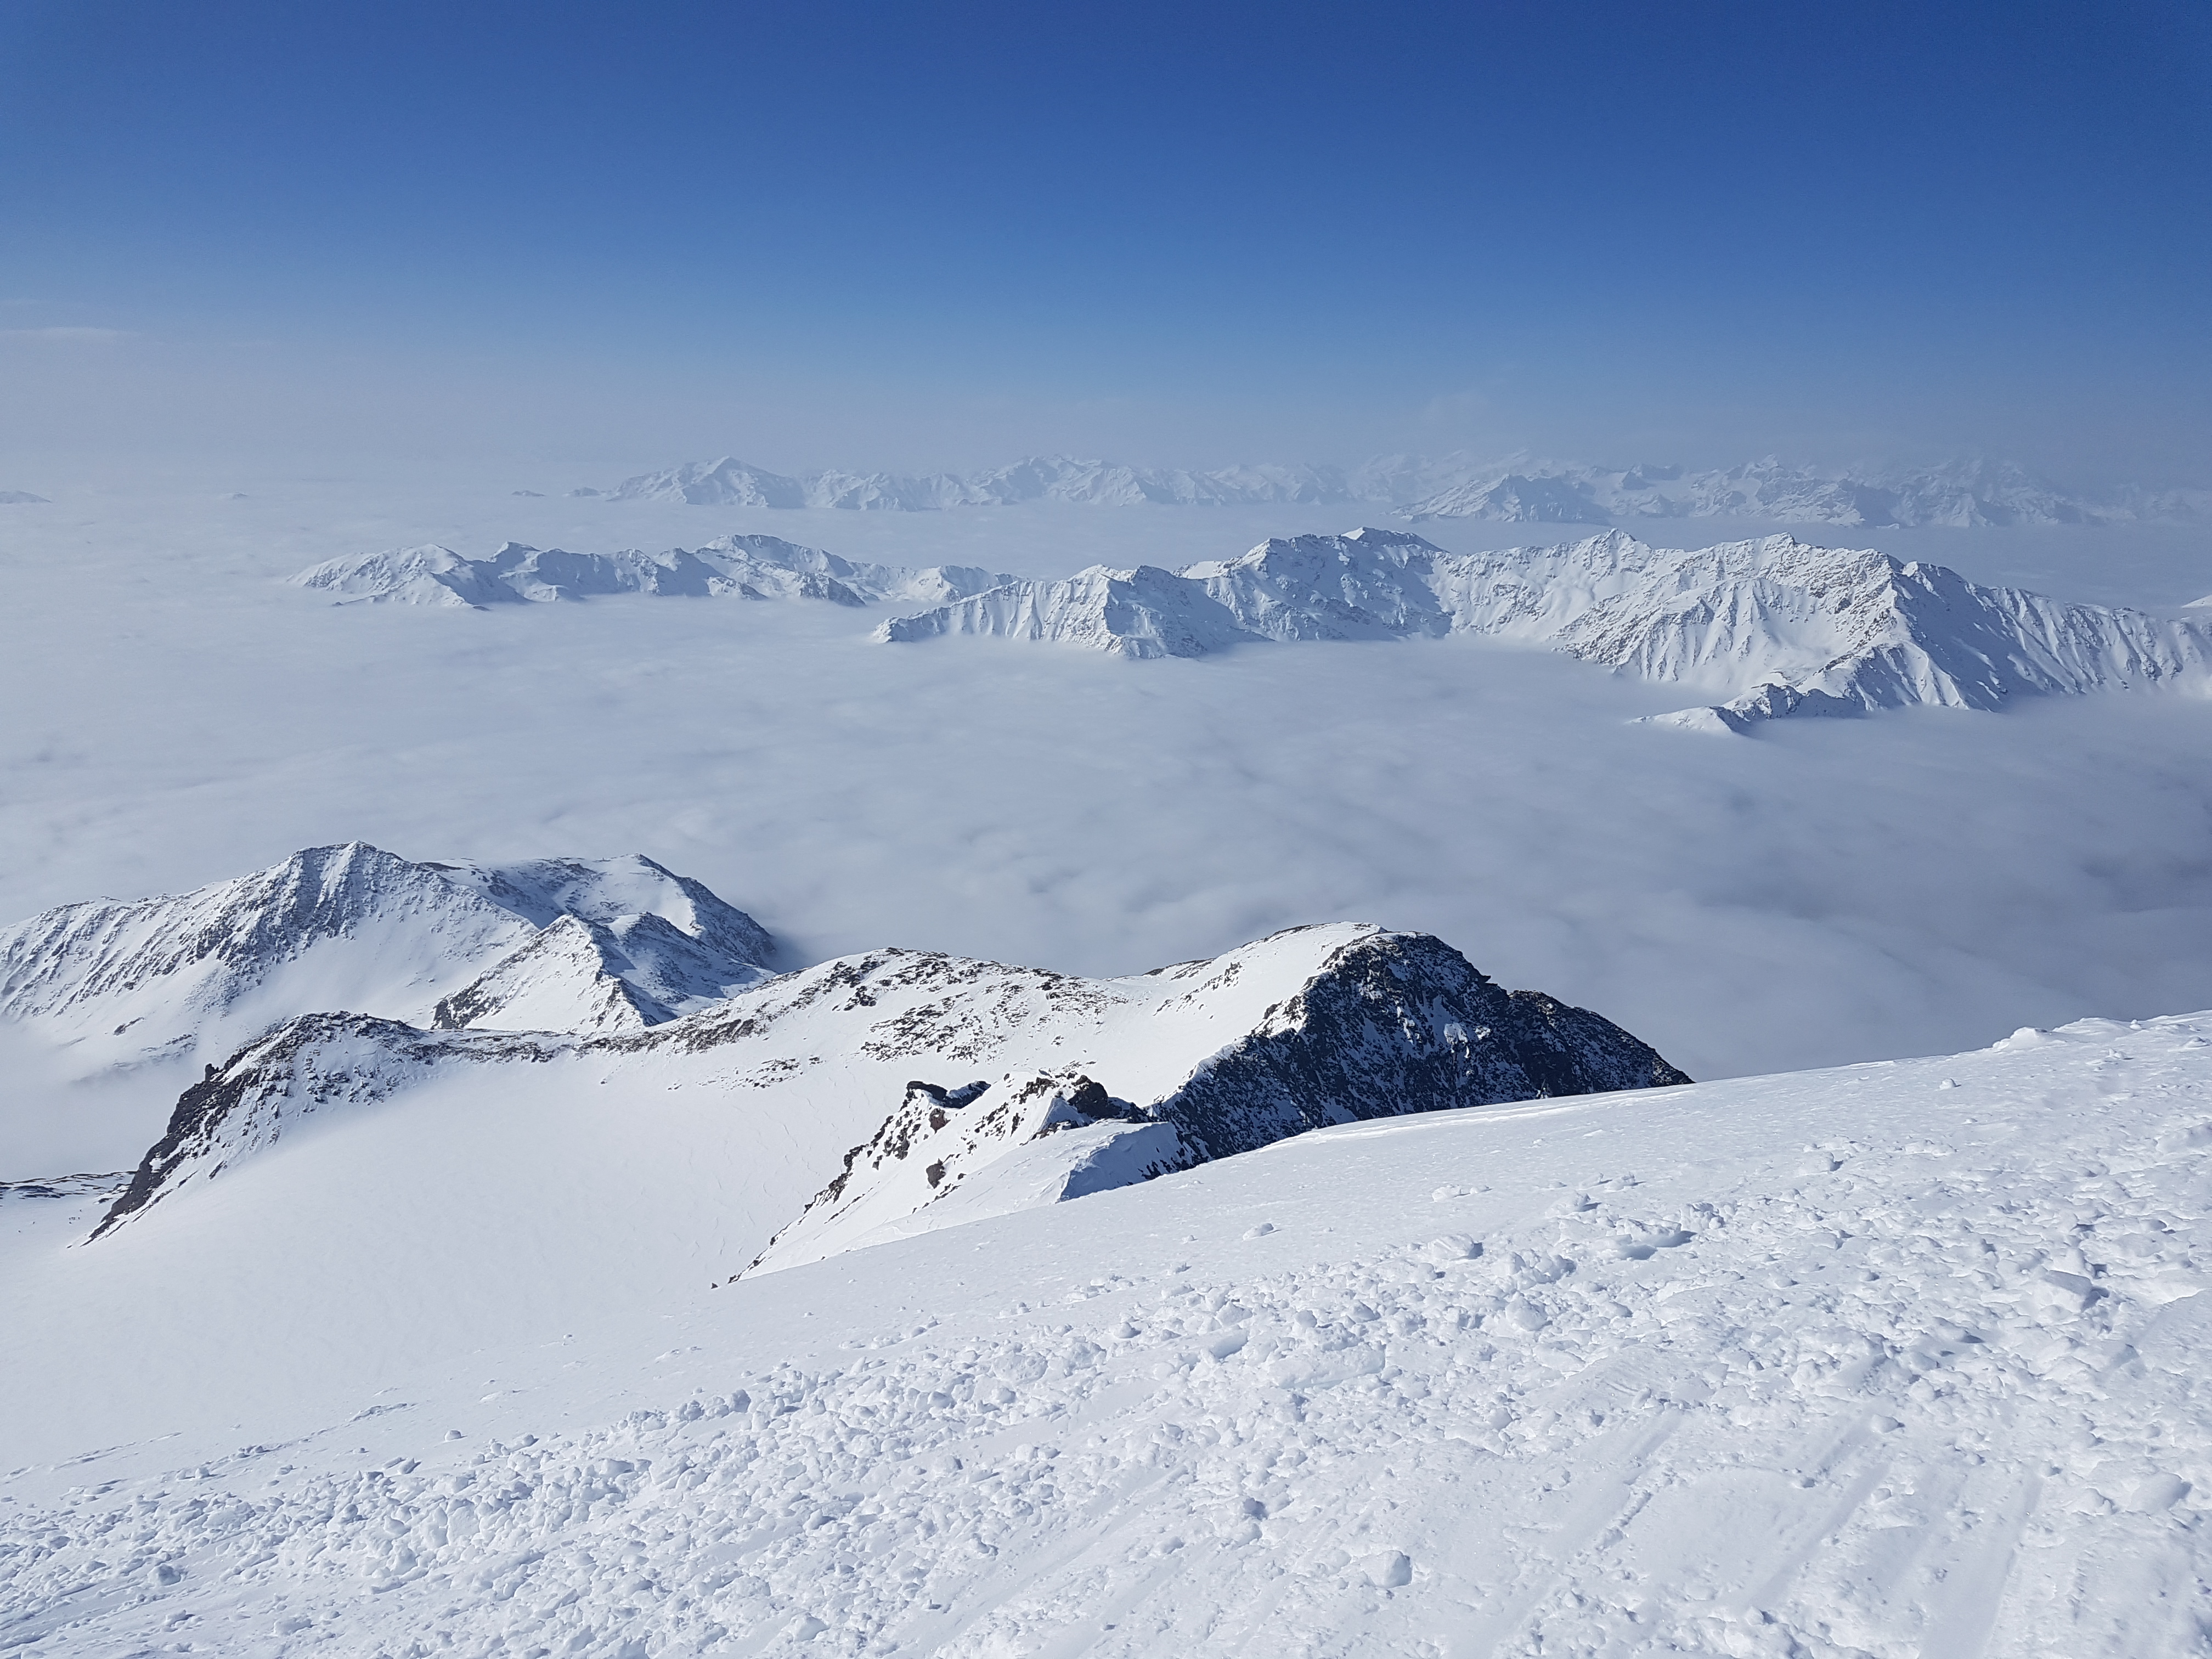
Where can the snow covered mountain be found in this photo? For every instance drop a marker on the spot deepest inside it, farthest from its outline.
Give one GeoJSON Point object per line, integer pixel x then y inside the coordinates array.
{"type": "Point", "coordinates": [160, 985]}
{"type": "Point", "coordinates": [1900, 1358]}
{"type": "Point", "coordinates": [748, 566]}
{"type": "Point", "coordinates": [1088, 1084]}
{"type": "Point", "coordinates": [1519, 489]}
{"type": "Point", "coordinates": [732, 482]}
{"type": "Point", "coordinates": [1775, 626]}
{"type": "Point", "coordinates": [21, 498]}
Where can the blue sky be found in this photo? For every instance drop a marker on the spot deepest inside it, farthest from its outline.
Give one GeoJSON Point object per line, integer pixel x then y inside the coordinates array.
{"type": "Point", "coordinates": [871, 235]}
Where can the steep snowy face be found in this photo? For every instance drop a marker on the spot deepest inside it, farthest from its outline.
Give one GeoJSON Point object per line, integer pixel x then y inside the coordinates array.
{"type": "Point", "coordinates": [169, 982]}
{"type": "Point", "coordinates": [742, 567]}
{"type": "Point", "coordinates": [1369, 584]}
{"type": "Point", "coordinates": [328, 927]}
{"type": "Point", "coordinates": [1778, 627]}
{"type": "Point", "coordinates": [1142, 613]}
{"type": "Point", "coordinates": [1084, 1085]}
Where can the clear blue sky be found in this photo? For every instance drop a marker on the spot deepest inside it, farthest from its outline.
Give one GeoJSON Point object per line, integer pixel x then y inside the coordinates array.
{"type": "Point", "coordinates": [859, 234]}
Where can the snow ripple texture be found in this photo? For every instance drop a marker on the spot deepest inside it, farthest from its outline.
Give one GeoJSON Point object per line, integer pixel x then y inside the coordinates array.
{"type": "Point", "coordinates": [1927, 1386]}
{"type": "Point", "coordinates": [1780, 627]}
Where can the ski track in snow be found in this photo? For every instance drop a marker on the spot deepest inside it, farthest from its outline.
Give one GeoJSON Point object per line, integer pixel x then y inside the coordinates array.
{"type": "Point", "coordinates": [1900, 1361]}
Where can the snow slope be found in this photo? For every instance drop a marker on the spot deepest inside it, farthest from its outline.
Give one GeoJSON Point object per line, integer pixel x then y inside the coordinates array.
{"type": "Point", "coordinates": [1780, 627]}
{"type": "Point", "coordinates": [1898, 1359]}
{"type": "Point", "coordinates": [140, 993]}
{"type": "Point", "coordinates": [750, 567]}
{"type": "Point", "coordinates": [1311, 1026]}
{"type": "Point", "coordinates": [1519, 489]}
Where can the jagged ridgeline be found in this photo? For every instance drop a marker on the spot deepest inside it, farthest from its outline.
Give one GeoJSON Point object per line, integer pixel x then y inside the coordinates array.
{"type": "Point", "coordinates": [1769, 628]}
{"type": "Point", "coordinates": [1778, 627]}
{"type": "Point", "coordinates": [1035, 1087]}
{"type": "Point", "coordinates": [137, 995]}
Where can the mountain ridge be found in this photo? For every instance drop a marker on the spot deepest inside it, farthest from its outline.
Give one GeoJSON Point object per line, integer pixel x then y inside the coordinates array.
{"type": "Point", "coordinates": [1781, 628]}
{"type": "Point", "coordinates": [1516, 488]}
{"type": "Point", "coordinates": [1314, 1025]}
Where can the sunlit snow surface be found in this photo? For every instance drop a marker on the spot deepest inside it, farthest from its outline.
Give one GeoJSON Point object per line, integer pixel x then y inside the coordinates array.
{"type": "Point", "coordinates": [1839, 1363]}
{"type": "Point", "coordinates": [1898, 1359]}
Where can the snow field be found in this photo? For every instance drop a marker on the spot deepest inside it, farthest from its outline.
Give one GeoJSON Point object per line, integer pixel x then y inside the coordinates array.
{"type": "Point", "coordinates": [1890, 1361]}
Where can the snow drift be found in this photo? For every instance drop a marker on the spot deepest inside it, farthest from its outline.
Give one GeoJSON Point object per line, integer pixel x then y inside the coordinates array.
{"type": "Point", "coordinates": [1779, 627]}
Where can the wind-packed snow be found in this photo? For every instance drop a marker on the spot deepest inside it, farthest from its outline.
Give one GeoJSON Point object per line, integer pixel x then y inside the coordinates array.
{"type": "Point", "coordinates": [1785, 628]}
{"type": "Point", "coordinates": [1897, 1359]}
{"type": "Point", "coordinates": [748, 566]}
{"type": "Point", "coordinates": [124, 1003]}
{"type": "Point", "coordinates": [1518, 489]}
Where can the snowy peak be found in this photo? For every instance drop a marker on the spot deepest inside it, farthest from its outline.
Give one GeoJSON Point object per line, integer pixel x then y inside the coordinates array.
{"type": "Point", "coordinates": [182, 979]}
{"type": "Point", "coordinates": [1775, 626]}
{"type": "Point", "coordinates": [1367, 584]}
{"type": "Point", "coordinates": [742, 567]}
{"type": "Point", "coordinates": [1145, 612]}
{"type": "Point", "coordinates": [613, 892]}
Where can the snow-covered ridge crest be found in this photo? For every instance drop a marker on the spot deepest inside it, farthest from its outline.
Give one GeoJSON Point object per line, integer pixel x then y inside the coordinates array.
{"type": "Point", "coordinates": [742, 567]}
{"type": "Point", "coordinates": [1518, 489]}
{"type": "Point", "coordinates": [1085, 1083]}
{"type": "Point", "coordinates": [1775, 626]}
{"type": "Point", "coordinates": [569, 944]}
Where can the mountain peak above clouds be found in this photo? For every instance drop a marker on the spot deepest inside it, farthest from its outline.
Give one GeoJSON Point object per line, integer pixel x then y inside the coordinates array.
{"type": "Point", "coordinates": [1520, 489]}
{"type": "Point", "coordinates": [749, 567]}
{"type": "Point", "coordinates": [1777, 626]}
{"type": "Point", "coordinates": [158, 985]}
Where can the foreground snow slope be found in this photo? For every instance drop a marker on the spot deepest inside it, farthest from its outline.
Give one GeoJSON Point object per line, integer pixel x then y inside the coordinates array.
{"type": "Point", "coordinates": [1899, 1360]}
{"type": "Point", "coordinates": [1781, 628]}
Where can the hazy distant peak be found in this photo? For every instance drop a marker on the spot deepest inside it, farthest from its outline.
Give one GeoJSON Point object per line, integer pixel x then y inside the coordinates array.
{"type": "Point", "coordinates": [1519, 487]}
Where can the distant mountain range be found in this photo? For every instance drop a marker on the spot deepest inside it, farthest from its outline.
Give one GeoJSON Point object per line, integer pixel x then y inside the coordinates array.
{"type": "Point", "coordinates": [1780, 627]}
{"type": "Point", "coordinates": [1519, 489]}
{"type": "Point", "coordinates": [1774, 626]}
{"type": "Point", "coordinates": [744, 567]}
